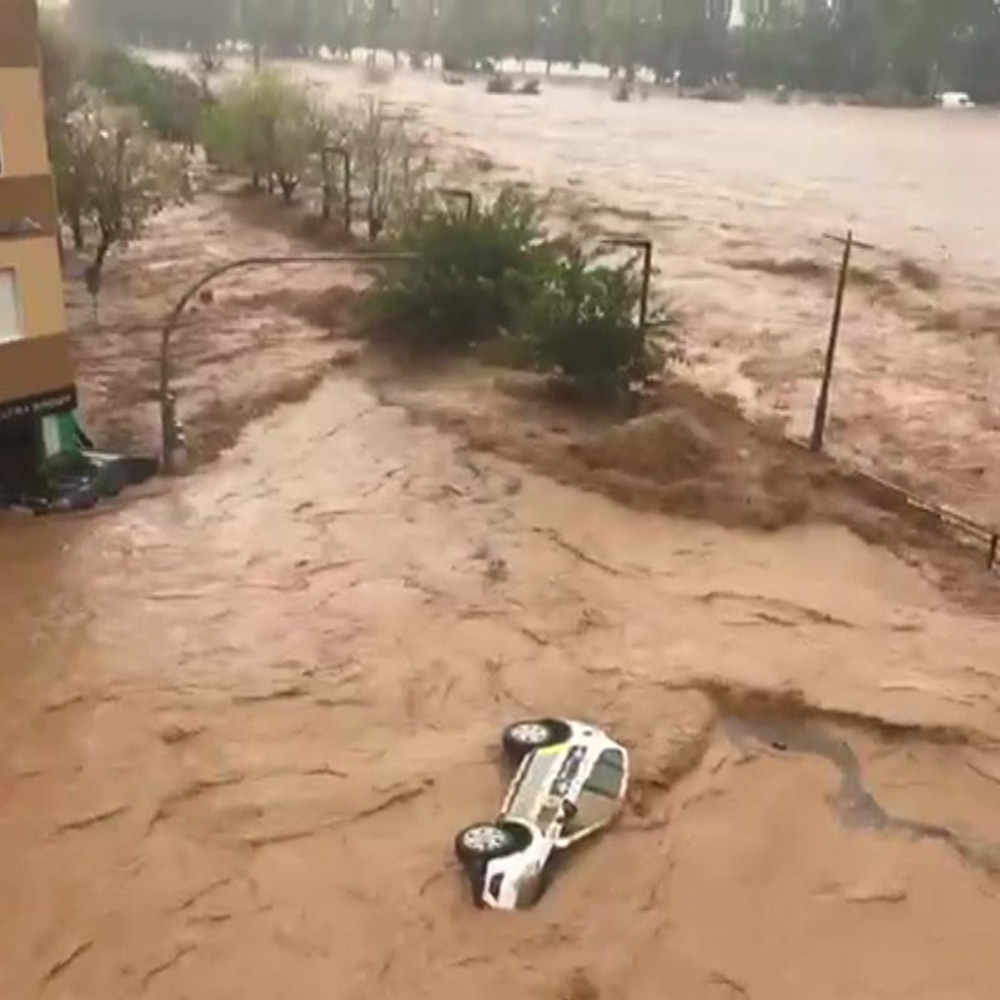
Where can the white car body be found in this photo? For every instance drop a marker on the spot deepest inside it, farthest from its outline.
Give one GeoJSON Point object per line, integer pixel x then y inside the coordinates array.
{"type": "Point", "coordinates": [955, 100]}
{"type": "Point", "coordinates": [560, 794]}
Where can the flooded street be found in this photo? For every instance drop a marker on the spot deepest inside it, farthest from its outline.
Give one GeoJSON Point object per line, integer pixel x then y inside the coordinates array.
{"type": "Point", "coordinates": [248, 709]}
{"type": "Point", "coordinates": [247, 714]}
{"type": "Point", "coordinates": [737, 199]}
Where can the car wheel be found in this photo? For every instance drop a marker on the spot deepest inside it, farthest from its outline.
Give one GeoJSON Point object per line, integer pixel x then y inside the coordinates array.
{"type": "Point", "coordinates": [523, 737]}
{"type": "Point", "coordinates": [486, 841]}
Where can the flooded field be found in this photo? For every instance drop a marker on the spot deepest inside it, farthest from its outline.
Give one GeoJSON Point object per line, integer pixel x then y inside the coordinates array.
{"type": "Point", "coordinates": [738, 199]}
{"type": "Point", "coordinates": [246, 711]}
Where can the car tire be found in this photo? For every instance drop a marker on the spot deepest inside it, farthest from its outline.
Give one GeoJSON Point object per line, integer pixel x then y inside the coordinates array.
{"type": "Point", "coordinates": [486, 841]}
{"type": "Point", "coordinates": [526, 736]}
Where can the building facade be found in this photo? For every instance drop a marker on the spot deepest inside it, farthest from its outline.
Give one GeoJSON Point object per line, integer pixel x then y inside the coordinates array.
{"type": "Point", "coordinates": [36, 369]}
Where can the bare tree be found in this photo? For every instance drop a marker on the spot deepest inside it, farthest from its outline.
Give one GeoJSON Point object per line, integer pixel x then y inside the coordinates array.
{"type": "Point", "coordinates": [389, 166]}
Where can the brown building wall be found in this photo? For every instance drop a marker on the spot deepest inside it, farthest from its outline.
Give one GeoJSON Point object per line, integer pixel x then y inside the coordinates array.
{"type": "Point", "coordinates": [36, 370]}
{"type": "Point", "coordinates": [18, 33]}
{"type": "Point", "coordinates": [36, 263]}
{"type": "Point", "coordinates": [23, 148]}
{"type": "Point", "coordinates": [27, 198]}
{"type": "Point", "coordinates": [33, 369]}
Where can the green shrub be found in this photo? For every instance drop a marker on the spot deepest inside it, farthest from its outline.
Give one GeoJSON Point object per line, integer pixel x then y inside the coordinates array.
{"type": "Point", "coordinates": [474, 275]}
{"type": "Point", "coordinates": [584, 327]}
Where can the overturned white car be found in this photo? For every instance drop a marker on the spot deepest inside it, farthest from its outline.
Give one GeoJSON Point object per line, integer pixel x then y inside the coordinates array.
{"type": "Point", "coordinates": [570, 782]}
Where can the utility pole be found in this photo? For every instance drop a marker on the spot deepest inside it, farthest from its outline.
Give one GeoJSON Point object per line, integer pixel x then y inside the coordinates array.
{"type": "Point", "coordinates": [823, 402]}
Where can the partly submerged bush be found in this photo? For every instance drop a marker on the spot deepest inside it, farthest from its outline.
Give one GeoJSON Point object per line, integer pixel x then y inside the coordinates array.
{"type": "Point", "coordinates": [474, 275]}
{"type": "Point", "coordinates": [491, 279]}
{"type": "Point", "coordinates": [583, 323]}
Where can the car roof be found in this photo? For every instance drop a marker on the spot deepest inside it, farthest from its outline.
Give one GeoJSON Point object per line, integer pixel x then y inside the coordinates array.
{"type": "Point", "coordinates": [534, 781]}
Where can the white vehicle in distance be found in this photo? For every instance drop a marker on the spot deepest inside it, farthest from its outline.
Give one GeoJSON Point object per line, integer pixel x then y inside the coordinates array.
{"type": "Point", "coordinates": [570, 782]}
{"type": "Point", "coordinates": [956, 100]}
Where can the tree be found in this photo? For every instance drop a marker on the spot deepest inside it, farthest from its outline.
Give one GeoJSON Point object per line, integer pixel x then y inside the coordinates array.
{"type": "Point", "coordinates": [572, 34]}
{"type": "Point", "coordinates": [185, 24]}
{"type": "Point", "coordinates": [973, 60]}
{"type": "Point", "coordinates": [61, 68]}
{"type": "Point", "coordinates": [907, 49]}
{"type": "Point", "coordinates": [381, 28]}
{"type": "Point", "coordinates": [419, 29]}
{"type": "Point", "coordinates": [268, 127]}
{"type": "Point", "coordinates": [467, 35]}
{"type": "Point", "coordinates": [111, 178]}
{"type": "Point", "coordinates": [72, 152]}
{"type": "Point", "coordinates": [169, 102]}
{"type": "Point", "coordinates": [387, 166]}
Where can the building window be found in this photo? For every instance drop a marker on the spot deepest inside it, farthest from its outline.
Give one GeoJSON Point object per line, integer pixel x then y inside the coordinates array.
{"type": "Point", "coordinates": [11, 320]}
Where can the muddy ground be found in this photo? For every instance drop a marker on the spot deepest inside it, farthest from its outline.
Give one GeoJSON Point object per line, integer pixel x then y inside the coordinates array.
{"type": "Point", "coordinates": [247, 709]}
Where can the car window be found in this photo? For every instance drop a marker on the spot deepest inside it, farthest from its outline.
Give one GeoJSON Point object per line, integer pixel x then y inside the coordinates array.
{"type": "Point", "coordinates": [607, 775]}
{"type": "Point", "coordinates": [598, 799]}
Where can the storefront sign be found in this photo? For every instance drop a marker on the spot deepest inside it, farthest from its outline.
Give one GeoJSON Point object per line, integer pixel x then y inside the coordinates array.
{"type": "Point", "coordinates": [33, 407]}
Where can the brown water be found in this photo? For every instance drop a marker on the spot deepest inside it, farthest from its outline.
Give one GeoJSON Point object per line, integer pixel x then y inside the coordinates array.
{"type": "Point", "coordinates": [246, 711]}
{"type": "Point", "coordinates": [245, 715]}
{"type": "Point", "coordinates": [732, 194]}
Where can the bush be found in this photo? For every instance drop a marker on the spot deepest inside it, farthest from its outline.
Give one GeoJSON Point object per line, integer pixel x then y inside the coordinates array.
{"type": "Point", "coordinates": [584, 327]}
{"type": "Point", "coordinates": [474, 276]}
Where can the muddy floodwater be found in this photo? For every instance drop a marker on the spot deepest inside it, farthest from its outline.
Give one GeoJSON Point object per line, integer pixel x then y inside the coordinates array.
{"type": "Point", "coordinates": [737, 198]}
{"type": "Point", "coordinates": [245, 715]}
{"type": "Point", "coordinates": [245, 711]}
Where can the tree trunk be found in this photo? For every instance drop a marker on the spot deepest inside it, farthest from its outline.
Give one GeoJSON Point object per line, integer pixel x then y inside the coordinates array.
{"type": "Point", "coordinates": [94, 273]}
{"type": "Point", "coordinates": [76, 228]}
{"type": "Point", "coordinates": [375, 222]}
{"type": "Point", "coordinates": [102, 252]}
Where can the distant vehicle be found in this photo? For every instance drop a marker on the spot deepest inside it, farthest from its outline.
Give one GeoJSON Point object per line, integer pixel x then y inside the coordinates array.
{"type": "Point", "coordinates": [499, 83]}
{"type": "Point", "coordinates": [955, 100]}
{"type": "Point", "coordinates": [570, 782]}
